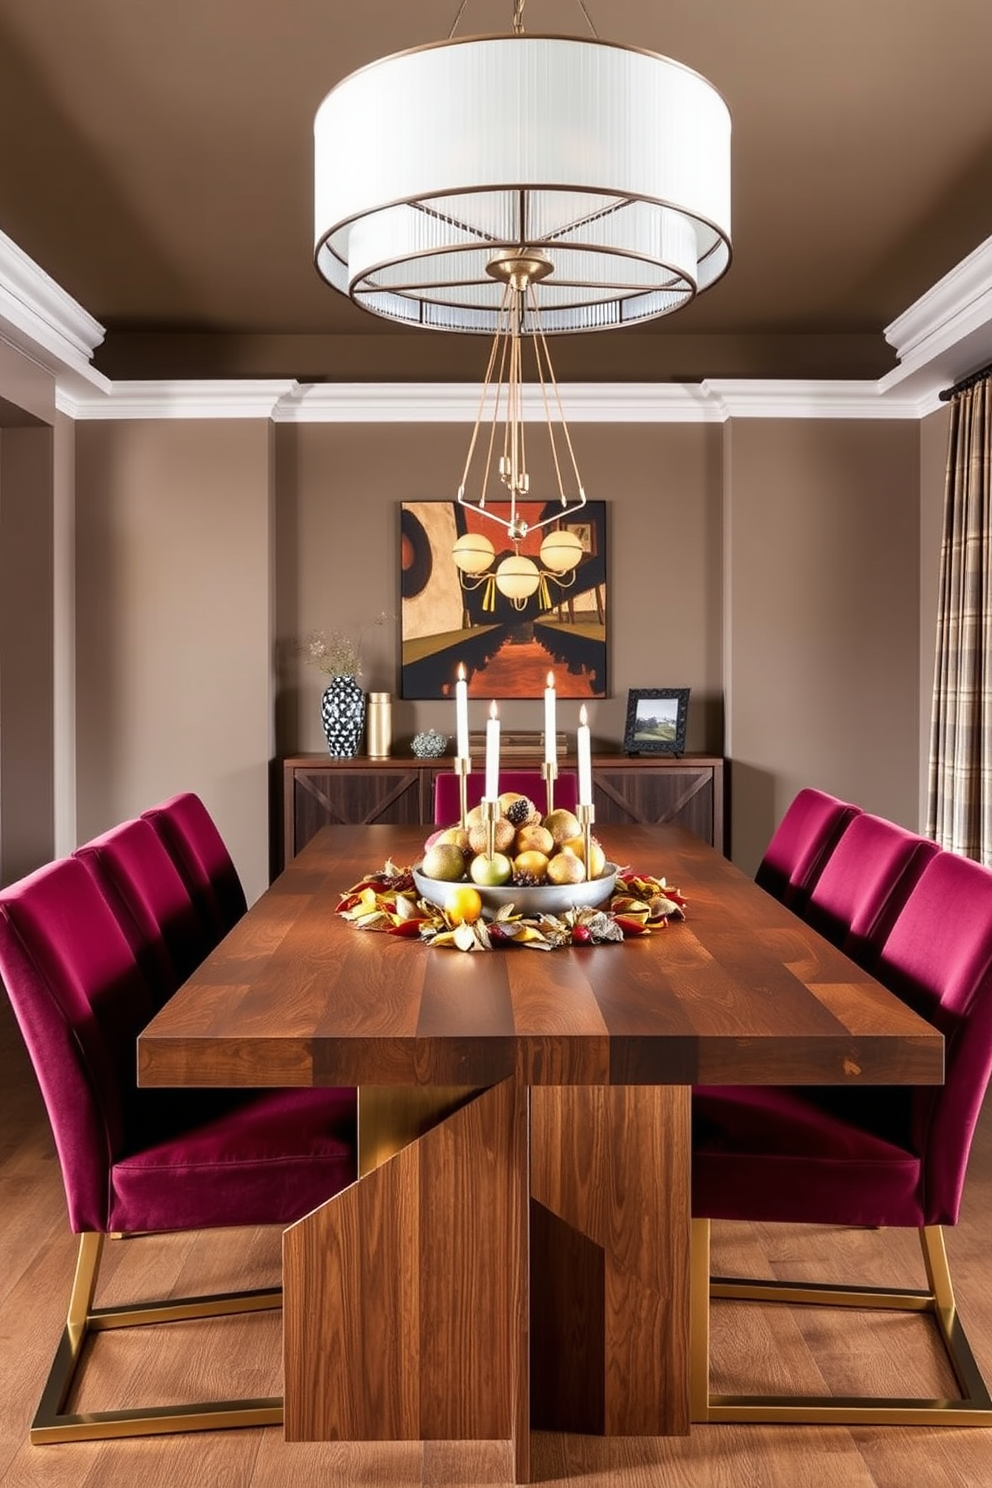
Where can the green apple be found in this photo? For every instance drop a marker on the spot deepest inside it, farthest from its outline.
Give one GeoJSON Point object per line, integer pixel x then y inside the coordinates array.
{"type": "Point", "coordinates": [489, 873]}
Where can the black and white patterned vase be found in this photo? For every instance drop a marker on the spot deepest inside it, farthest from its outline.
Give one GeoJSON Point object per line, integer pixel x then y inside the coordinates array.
{"type": "Point", "coordinates": [342, 712]}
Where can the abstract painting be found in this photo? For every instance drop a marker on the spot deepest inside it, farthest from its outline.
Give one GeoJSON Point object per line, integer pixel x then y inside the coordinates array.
{"type": "Point", "coordinates": [507, 647]}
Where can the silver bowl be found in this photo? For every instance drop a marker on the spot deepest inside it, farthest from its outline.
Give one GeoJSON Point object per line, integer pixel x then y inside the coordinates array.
{"type": "Point", "coordinates": [534, 900]}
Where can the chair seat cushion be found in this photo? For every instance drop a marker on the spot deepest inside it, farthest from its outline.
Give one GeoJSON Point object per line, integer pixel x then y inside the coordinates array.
{"type": "Point", "coordinates": [258, 1157]}
{"type": "Point", "coordinates": [805, 1156]}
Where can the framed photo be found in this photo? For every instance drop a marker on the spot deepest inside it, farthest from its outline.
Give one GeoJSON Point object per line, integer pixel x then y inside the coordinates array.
{"type": "Point", "coordinates": [656, 720]}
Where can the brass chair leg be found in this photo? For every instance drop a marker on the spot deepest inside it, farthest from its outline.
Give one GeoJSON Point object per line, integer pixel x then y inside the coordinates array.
{"type": "Point", "coordinates": [973, 1408]}
{"type": "Point", "coordinates": [52, 1423]}
{"type": "Point", "coordinates": [699, 1321]}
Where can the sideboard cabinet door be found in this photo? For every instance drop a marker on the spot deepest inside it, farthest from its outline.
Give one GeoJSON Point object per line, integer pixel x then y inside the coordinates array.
{"type": "Point", "coordinates": [318, 797]}
{"type": "Point", "coordinates": [684, 792]}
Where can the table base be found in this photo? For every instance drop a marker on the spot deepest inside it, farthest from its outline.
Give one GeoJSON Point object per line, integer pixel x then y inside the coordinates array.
{"type": "Point", "coordinates": [521, 1264]}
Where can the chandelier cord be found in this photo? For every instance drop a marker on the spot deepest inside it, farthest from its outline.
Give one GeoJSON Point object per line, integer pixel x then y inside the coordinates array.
{"type": "Point", "coordinates": [518, 17]}
{"type": "Point", "coordinates": [458, 17]}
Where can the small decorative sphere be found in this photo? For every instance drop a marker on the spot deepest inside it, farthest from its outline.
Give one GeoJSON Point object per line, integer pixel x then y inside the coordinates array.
{"type": "Point", "coordinates": [429, 744]}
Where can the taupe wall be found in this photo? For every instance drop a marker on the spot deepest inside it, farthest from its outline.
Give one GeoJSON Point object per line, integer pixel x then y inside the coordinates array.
{"type": "Point", "coordinates": [339, 490]}
{"type": "Point", "coordinates": [27, 738]}
{"type": "Point", "coordinates": [822, 618]}
{"type": "Point", "coordinates": [174, 654]}
{"type": "Point", "coordinates": [773, 567]}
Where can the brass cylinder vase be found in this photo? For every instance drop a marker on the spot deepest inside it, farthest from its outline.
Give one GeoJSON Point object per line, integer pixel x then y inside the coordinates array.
{"type": "Point", "coordinates": [379, 724]}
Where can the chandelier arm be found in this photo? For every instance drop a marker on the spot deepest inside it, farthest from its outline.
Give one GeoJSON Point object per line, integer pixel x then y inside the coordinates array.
{"type": "Point", "coordinates": [582, 6]}
{"type": "Point", "coordinates": [470, 229]}
{"type": "Point", "coordinates": [499, 340]}
{"type": "Point", "coordinates": [519, 473]}
{"type": "Point", "coordinates": [518, 17]}
{"type": "Point", "coordinates": [539, 345]}
{"type": "Point", "coordinates": [478, 416]}
{"type": "Point", "coordinates": [480, 579]}
{"type": "Point", "coordinates": [564, 427]}
{"type": "Point", "coordinates": [454, 24]}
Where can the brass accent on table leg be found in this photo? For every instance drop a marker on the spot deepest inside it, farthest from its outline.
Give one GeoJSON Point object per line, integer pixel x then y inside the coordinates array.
{"type": "Point", "coordinates": [973, 1408]}
{"type": "Point", "coordinates": [390, 1117]}
{"type": "Point", "coordinates": [53, 1424]}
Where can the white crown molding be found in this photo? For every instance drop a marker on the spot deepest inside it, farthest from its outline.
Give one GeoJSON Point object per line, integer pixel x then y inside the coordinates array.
{"type": "Point", "coordinates": [46, 324]}
{"type": "Point", "coordinates": [947, 333]}
{"type": "Point", "coordinates": [791, 399]}
{"type": "Point", "coordinates": [285, 401]}
{"type": "Point", "coordinates": [458, 403]}
{"type": "Point", "coordinates": [954, 305]}
{"type": "Point", "coordinates": [237, 398]}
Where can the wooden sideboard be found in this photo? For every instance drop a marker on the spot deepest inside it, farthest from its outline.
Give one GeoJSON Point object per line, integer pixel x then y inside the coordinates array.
{"type": "Point", "coordinates": [319, 791]}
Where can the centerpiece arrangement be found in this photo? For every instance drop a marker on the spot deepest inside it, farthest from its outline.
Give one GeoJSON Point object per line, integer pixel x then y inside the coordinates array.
{"type": "Point", "coordinates": [509, 873]}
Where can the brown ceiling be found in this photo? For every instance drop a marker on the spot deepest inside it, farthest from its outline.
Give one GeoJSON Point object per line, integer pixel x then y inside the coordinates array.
{"type": "Point", "coordinates": [156, 161]}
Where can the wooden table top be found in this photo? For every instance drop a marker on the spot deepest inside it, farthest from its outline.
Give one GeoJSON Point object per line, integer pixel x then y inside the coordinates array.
{"type": "Point", "coordinates": [741, 992]}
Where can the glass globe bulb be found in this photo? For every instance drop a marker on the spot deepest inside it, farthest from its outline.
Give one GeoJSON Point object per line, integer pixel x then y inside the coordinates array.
{"type": "Point", "coordinates": [561, 551]}
{"type": "Point", "coordinates": [473, 553]}
{"type": "Point", "coordinates": [518, 577]}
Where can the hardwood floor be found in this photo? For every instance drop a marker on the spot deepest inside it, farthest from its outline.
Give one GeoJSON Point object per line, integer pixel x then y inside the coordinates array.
{"type": "Point", "coordinates": [753, 1347]}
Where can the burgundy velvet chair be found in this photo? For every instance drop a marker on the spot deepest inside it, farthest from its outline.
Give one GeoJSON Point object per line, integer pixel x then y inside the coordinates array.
{"type": "Point", "coordinates": [864, 884]}
{"type": "Point", "coordinates": [868, 1156]}
{"type": "Point", "coordinates": [447, 801]}
{"type": "Point", "coordinates": [140, 882]}
{"type": "Point", "coordinates": [801, 845]}
{"type": "Point", "coordinates": [190, 834]}
{"type": "Point", "coordinates": [145, 1160]}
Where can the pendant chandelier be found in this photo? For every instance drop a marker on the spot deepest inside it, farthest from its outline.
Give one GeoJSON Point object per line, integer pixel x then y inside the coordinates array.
{"type": "Point", "coordinates": [522, 186]}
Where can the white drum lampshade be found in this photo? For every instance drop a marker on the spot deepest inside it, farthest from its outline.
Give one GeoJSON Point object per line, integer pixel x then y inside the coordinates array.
{"type": "Point", "coordinates": [614, 162]}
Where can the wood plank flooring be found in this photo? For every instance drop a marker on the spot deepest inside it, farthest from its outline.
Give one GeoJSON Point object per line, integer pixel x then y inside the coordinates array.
{"type": "Point", "coordinates": [752, 1347]}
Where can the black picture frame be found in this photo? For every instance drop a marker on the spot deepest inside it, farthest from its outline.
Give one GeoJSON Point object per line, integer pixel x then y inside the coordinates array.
{"type": "Point", "coordinates": [656, 730]}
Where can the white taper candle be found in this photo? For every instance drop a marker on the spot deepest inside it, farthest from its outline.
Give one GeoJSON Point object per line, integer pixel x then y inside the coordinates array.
{"type": "Point", "coordinates": [461, 714]}
{"type": "Point", "coordinates": [492, 754]}
{"type": "Point", "coordinates": [584, 752]}
{"type": "Point", "coordinates": [550, 737]}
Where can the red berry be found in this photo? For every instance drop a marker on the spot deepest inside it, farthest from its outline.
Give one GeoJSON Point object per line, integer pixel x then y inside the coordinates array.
{"type": "Point", "coordinates": [581, 935]}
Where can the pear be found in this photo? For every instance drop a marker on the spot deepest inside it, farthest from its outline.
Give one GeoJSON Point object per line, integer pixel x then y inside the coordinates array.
{"type": "Point", "coordinates": [597, 857]}
{"type": "Point", "coordinates": [566, 868]}
{"type": "Point", "coordinates": [457, 835]}
{"type": "Point", "coordinates": [562, 825]}
{"type": "Point", "coordinates": [444, 861]}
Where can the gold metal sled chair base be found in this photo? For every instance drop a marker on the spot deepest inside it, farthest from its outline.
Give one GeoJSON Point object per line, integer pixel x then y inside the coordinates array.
{"type": "Point", "coordinates": [973, 1408]}
{"type": "Point", "coordinates": [53, 1424]}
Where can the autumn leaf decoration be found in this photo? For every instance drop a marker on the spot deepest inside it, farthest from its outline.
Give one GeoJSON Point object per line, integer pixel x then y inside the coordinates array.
{"type": "Point", "coordinates": [387, 900]}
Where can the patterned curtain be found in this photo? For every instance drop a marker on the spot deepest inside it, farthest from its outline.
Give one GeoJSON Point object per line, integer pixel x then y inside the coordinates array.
{"type": "Point", "coordinates": [960, 802]}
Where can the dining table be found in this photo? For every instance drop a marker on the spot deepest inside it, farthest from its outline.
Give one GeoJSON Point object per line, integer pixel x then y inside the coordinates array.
{"type": "Point", "coordinates": [514, 1254]}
